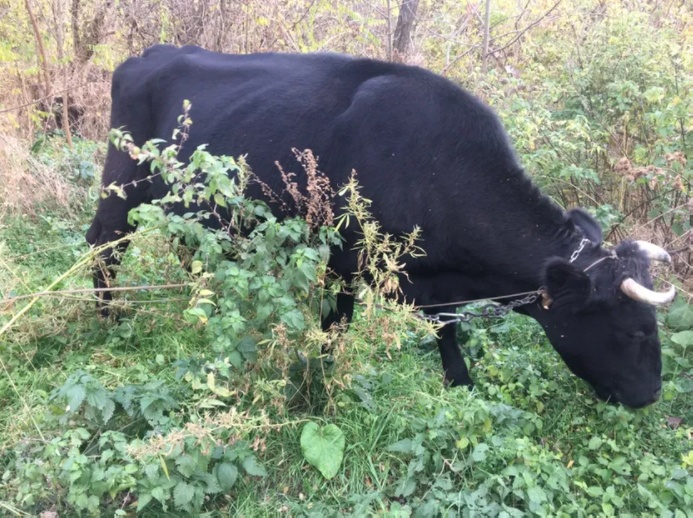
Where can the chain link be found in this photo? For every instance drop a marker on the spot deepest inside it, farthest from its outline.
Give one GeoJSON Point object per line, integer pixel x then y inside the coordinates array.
{"type": "Point", "coordinates": [580, 248]}
{"type": "Point", "coordinates": [497, 310]}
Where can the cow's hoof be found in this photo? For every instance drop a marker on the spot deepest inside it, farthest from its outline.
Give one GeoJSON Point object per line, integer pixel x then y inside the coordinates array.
{"type": "Point", "coordinates": [461, 380]}
{"type": "Point", "coordinates": [111, 313]}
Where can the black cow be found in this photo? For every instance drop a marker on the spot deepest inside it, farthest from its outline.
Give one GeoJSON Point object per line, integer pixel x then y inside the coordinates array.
{"type": "Point", "coordinates": [427, 153]}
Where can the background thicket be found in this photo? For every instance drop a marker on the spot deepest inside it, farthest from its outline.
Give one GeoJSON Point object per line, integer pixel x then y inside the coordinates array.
{"type": "Point", "coordinates": [595, 93]}
{"type": "Point", "coordinates": [155, 412]}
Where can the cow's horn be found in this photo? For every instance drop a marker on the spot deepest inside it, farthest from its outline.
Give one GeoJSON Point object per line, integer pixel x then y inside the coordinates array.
{"type": "Point", "coordinates": [654, 252]}
{"type": "Point", "coordinates": [637, 291]}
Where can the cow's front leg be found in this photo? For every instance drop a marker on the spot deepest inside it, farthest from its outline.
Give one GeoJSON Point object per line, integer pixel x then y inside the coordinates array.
{"type": "Point", "coordinates": [456, 372]}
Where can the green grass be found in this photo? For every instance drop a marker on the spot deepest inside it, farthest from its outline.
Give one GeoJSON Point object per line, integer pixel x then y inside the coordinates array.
{"type": "Point", "coordinates": [528, 439]}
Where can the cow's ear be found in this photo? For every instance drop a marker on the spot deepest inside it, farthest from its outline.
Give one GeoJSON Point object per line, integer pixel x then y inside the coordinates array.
{"type": "Point", "coordinates": [587, 225]}
{"type": "Point", "coordinates": [566, 284]}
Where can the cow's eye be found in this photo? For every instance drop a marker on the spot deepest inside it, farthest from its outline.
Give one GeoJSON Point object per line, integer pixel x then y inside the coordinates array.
{"type": "Point", "coordinates": [638, 336]}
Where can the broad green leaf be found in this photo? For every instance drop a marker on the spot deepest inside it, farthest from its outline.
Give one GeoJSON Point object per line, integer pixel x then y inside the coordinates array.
{"type": "Point", "coordinates": [247, 344]}
{"type": "Point", "coordinates": [595, 442]}
{"type": "Point", "coordinates": [183, 494]}
{"type": "Point", "coordinates": [406, 487]}
{"type": "Point", "coordinates": [186, 465]}
{"type": "Point", "coordinates": [683, 338]}
{"type": "Point", "coordinates": [143, 500]}
{"type": "Point", "coordinates": [430, 508]}
{"type": "Point", "coordinates": [323, 447]}
{"type": "Point", "coordinates": [196, 267]}
{"type": "Point", "coordinates": [248, 348]}
{"type": "Point", "coordinates": [236, 359]}
{"type": "Point", "coordinates": [107, 410]}
{"type": "Point", "coordinates": [679, 474]}
{"type": "Point", "coordinates": [595, 491]}
{"type": "Point", "coordinates": [462, 443]}
{"type": "Point", "coordinates": [403, 446]}
{"type": "Point", "coordinates": [680, 317]}
{"type": "Point", "coordinates": [192, 315]}
{"type": "Point", "coordinates": [294, 319]}
{"type": "Point", "coordinates": [160, 494]}
{"type": "Point", "coordinates": [212, 484]}
{"type": "Point", "coordinates": [219, 199]}
{"type": "Point", "coordinates": [479, 453]}
{"type": "Point", "coordinates": [536, 494]}
{"type": "Point", "coordinates": [253, 467]}
{"type": "Point", "coordinates": [226, 475]}
{"type": "Point", "coordinates": [211, 403]}
{"type": "Point", "coordinates": [152, 471]}
{"type": "Point", "coordinates": [75, 395]}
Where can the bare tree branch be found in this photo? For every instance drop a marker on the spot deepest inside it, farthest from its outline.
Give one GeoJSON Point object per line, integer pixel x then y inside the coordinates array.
{"type": "Point", "coordinates": [533, 24]}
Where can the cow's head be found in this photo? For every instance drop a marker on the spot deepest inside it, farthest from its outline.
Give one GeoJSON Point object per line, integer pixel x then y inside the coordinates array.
{"type": "Point", "coordinates": [601, 318]}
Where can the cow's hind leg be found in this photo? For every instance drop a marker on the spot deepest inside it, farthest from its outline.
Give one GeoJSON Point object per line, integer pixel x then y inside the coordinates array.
{"type": "Point", "coordinates": [345, 310]}
{"type": "Point", "coordinates": [109, 258]}
{"type": "Point", "coordinates": [110, 223]}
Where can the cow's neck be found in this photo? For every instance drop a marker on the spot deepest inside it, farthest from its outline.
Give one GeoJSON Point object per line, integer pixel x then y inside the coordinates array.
{"type": "Point", "coordinates": [515, 266]}
{"type": "Point", "coordinates": [497, 252]}
{"type": "Point", "coordinates": [522, 268]}
{"type": "Point", "coordinates": [529, 230]}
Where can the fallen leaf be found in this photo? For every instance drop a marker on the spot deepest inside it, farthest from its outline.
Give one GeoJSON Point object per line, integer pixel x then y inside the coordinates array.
{"type": "Point", "coordinates": [674, 422]}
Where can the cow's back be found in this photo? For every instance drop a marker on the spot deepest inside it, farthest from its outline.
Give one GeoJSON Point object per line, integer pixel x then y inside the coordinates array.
{"type": "Point", "coordinates": [426, 152]}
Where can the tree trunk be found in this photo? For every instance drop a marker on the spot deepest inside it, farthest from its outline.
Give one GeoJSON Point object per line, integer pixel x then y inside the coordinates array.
{"type": "Point", "coordinates": [405, 24]}
{"type": "Point", "coordinates": [59, 41]}
{"type": "Point", "coordinates": [487, 30]}
{"type": "Point", "coordinates": [74, 18]}
{"type": "Point", "coordinates": [389, 31]}
{"type": "Point", "coordinates": [39, 46]}
{"type": "Point", "coordinates": [66, 110]}
{"type": "Point", "coordinates": [85, 38]}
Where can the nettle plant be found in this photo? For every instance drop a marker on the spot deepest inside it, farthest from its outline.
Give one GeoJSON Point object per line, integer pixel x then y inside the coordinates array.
{"type": "Point", "coordinates": [255, 275]}
{"type": "Point", "coordinates": [127, 448]}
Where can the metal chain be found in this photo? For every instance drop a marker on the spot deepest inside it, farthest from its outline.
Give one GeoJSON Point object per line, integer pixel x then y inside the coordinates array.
{"type": "Point", "coordinates": [486, 311]}
{"type": "Point", "coordinates": [496, 310]}
{"type": "Point", "coordinates": [580, 248]}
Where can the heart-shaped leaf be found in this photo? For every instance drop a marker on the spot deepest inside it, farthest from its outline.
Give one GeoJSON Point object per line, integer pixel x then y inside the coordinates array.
{"type": "Point", "coordinates": [680, 316]}
{"type": "Point", "coordinates": [683, 338]}
{"type": "Point", "coordinates": [323, 447]}
{"type": "Point", "coordinates": [226, 475]}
